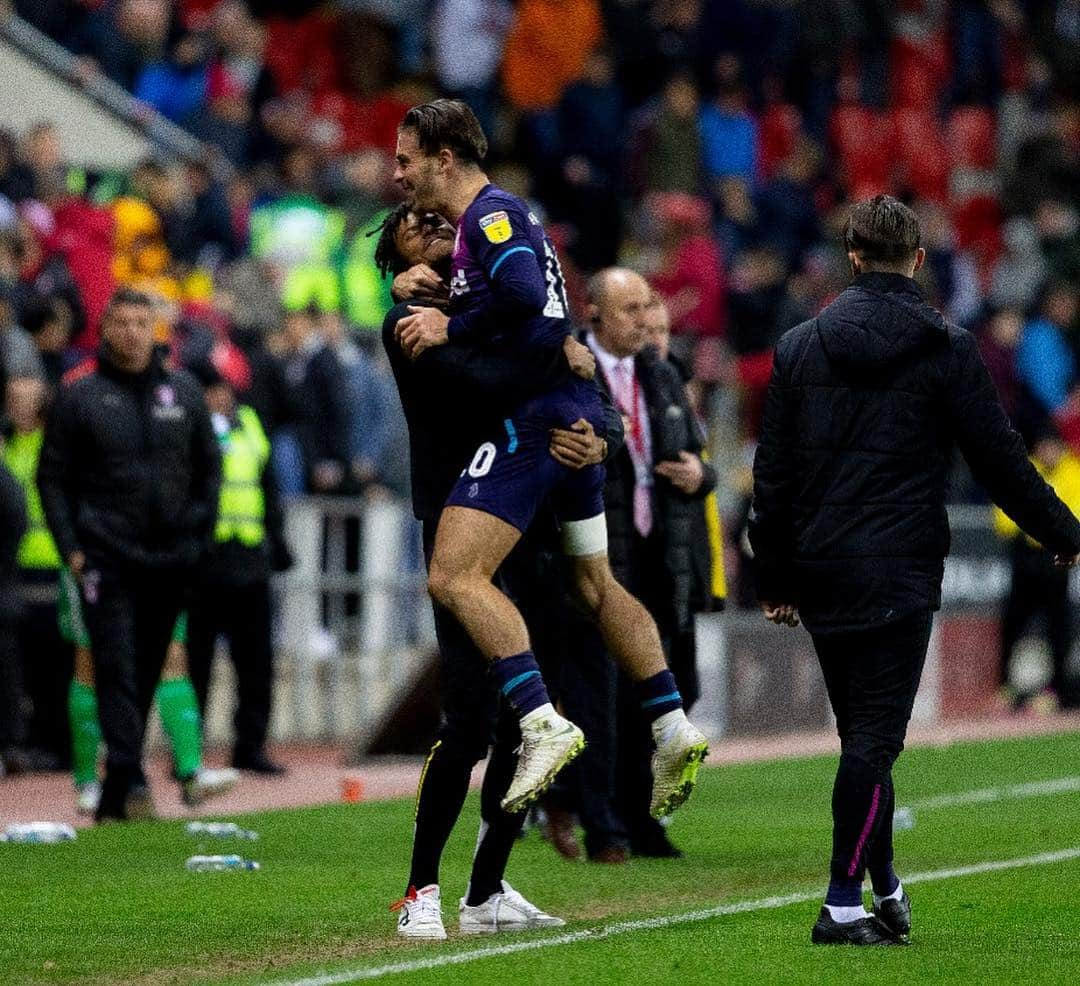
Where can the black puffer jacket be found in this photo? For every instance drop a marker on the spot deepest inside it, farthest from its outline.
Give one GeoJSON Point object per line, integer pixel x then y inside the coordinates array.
{"type": "Point", "coordinates": [130, 466]}
{"type": "Point", "coordinates": [865, 407]}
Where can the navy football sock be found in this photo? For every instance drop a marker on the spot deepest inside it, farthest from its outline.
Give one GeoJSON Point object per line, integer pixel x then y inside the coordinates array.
{"type": "Point", "coordinates": [658, 695]}
{"type": "Point", "coordinates": [844, 893]}
{"type": "Point", "coordinates": [885, 880]}
{"type": "Point", "coordinates": [520, 682]}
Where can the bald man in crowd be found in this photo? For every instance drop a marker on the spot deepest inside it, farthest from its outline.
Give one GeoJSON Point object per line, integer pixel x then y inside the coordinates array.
{"type": "Point", "coordinates": [652, 493]}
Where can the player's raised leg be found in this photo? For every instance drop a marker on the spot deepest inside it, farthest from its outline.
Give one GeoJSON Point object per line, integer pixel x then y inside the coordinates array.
{"type": "Point", "coordinates": [632, 639]}
{"type": "Point", "coordinates": [470, 545]}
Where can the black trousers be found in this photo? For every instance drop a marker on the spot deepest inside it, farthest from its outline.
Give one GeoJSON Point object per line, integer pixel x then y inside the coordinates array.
{"type": "Point", "coordinates": [12, 710]}
{"type": "Point", "coordinates": [610, 784]}
{"type": "Point", "coordinates": [240, 614]}
{"type": "Point", "coordinates": [130, 614]}
{"type": "Point", "coordinates": [871, 677]}
{"type": "Point", "coordinates": [1039, 588]}
{"type": "Point", "coordinates": [47, 665]}
{"type": "Point", "coordinates": [589, 694]}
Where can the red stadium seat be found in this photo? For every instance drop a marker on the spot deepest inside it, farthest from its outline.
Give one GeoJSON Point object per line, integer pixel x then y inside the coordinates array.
{"type": "Point", "coordinates": [778, 130]}
{"type": "Point", "coordinates": [971, 137]}
{"type": "Point", "coordinates": [919, 72]}
{"type": "Point", "coordinates": [360, 124]}
{"type": "Point", "coordinates": [922, 158]}
{"type": "Point", "coordinates": [300, 53]}
{"type": "Point", "coordinates": [977, 221]}
{"type": "Point", "coordinates": [862, 140]}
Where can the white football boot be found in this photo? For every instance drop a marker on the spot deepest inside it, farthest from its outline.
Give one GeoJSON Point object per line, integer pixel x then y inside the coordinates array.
{"type": "Point", "coordinates": [208, 782]}
{"type": "Point", "coordinates": [504, 911]}
{"type": "Point", "coordinates": [420, 914]}
{"type": "Point", "coordinates": [87, 797]}
{"type": "Point", "coordinates": [680, 749]}
{"type": "Point", "coordinates": [548, 743]}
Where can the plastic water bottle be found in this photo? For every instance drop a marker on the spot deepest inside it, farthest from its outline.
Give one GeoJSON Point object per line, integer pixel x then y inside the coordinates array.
{"type": "Point", "coordinates": [219, 830]}
{"type": "Point", "coordinates": [206, 864]}
{"type": "Point", "coordinates": [903, 819]}
{"type": "Point", "coordinates": [38, 833]}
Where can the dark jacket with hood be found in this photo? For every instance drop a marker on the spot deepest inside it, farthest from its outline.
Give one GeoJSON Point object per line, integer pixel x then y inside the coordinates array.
{"type": "Point", "coordinates": [130, 467]}
{"type": "Point", "coordinates": [866, 404]}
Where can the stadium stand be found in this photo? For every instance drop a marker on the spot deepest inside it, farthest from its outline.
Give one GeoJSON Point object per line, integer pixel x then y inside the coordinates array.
{"type": "Point", "coordinates": [714, 145]}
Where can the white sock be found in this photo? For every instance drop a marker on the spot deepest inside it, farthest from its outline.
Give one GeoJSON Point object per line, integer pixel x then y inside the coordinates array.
{"type": "Point", "coordinates": [845, 915]}
{"type": "Point", "coordinates": [664, 727]}
{"type": "Point", "coordinates": [543, 712]}
{"type": "Point", "coordinates": [895, 895]}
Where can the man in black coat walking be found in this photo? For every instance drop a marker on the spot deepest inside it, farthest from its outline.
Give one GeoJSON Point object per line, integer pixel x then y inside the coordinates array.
{"type": "Point", "coordinates": [866, 404]}
{"type": "Point", "coordinates": [129, 476]}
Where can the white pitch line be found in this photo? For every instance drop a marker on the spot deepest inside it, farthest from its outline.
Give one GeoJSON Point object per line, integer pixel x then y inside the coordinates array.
{"type": "Point", "coordinates": [663, 921]}
{"type": "Point", "coordinates": [1034, 789]}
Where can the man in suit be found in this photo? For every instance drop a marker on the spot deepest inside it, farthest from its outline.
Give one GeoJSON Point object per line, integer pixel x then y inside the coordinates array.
{"type": "Point", "coordinates": [652, 494]}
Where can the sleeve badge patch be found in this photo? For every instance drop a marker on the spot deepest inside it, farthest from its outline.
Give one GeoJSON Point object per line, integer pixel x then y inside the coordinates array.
{"type": "Point", "coordinates": [496, 227]}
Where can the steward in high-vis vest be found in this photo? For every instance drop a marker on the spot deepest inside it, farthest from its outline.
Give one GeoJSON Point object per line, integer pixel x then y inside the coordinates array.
{"type": "Point", "coordinates": [46, 659]}
{"type": "Point", "coordinates": [232, 595]}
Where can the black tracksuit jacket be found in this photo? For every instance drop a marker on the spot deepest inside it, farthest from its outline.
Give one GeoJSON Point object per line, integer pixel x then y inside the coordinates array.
{"type": "Point", "coordinates": [130, 467]}
{"type": "Point", "coordinates": [866, 405]}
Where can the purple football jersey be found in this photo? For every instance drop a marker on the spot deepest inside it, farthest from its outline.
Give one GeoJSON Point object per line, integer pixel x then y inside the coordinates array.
{"type": "Point", "coordinates": [494, 228]}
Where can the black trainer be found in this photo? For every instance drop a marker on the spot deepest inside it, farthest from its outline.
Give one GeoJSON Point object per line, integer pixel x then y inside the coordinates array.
{"type": "Point", "coordinates": [866, 931]}
{"type": "Point", "coordinates": [655, 847]}
{"type": "Point", "coordinates": [895, 915]}
{"type": "Point", "coordinates": [258, 763]}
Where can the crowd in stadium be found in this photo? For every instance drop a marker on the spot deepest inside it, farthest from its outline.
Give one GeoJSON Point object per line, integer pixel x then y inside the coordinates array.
{"type": "Point", "coordinates": [713, 146]}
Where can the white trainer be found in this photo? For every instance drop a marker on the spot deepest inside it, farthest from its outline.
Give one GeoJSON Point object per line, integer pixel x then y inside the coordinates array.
{"type": "Point", "coordinates": [209, 782]}
{"type": "Point", "coordinates": [420, 914]}
{"type": "Point", "coordinates": [548, 743]}
{"type": "Point", "coordinates": [505, 911]}
{"type": "Point", "coordinates": [87, 797]}
{"type": "Point", "coordinates": [680, 750]}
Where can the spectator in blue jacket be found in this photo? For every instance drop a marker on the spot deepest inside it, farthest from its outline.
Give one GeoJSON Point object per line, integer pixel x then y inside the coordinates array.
{"type": "Point", "coordinates": [1045, 358]}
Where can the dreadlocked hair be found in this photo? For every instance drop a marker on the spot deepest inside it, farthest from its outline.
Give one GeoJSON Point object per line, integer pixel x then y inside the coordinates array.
{"type": "Point", "coordinates": [387, 259]}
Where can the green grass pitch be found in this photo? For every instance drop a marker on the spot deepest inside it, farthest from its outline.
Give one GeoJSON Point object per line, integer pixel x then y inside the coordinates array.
{"type": "Point", "coordinates": [117, 906]}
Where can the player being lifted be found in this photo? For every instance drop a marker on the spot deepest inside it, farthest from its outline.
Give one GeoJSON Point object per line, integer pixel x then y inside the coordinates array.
{"type": "Point", "coordinates": [507, 290]}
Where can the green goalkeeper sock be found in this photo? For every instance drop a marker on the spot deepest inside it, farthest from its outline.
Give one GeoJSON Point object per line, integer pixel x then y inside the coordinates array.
{"type": "Point", "coordinates": [85, 731]}
{"type": "Point", "coordinates": [179, 712]}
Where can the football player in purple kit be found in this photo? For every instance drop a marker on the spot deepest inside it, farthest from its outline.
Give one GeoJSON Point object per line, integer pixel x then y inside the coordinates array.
{"type": "Point", "coordinates": [507, 290]}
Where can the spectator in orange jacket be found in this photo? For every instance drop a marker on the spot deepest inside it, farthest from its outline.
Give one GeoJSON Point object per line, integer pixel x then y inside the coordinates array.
{"type": "Point", "coordinates": [546, 49]}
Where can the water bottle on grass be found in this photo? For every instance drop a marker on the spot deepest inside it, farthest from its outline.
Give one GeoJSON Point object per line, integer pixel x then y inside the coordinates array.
{"type": "Point", "coordinates": [208, 864]}
{"type": "Point", "coordinates": [903, 819]}
{"type": "Point", "coordinates": [38, 833]}
{"type": "Point", "coordinates": [219, 830]}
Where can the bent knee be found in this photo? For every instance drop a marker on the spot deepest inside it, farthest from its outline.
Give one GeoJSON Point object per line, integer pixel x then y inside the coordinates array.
{"type": "Point", "coordinates": [594, 582]}
{"type": "Point", "coordinates": [447, 584]}
{"type": "Point", "coordinates": [440, 583]}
